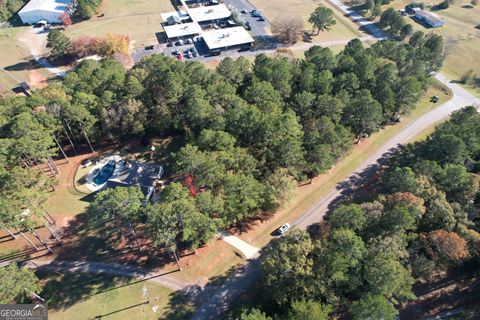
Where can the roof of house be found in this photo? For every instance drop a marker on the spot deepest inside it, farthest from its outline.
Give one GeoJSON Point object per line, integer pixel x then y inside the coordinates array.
{"type": "Point", "coordinates": [182, 15]}
{"type": "Point", "coordinates": [59, 6]}
{"type": "Point", "coordinates": [183, 29]}
{"type": "Point", "coordinates": [226, 37]}
{"type": "Point", "coordinates": [431, 17]}
{"type": "Point", "coordinates": [207, 13]}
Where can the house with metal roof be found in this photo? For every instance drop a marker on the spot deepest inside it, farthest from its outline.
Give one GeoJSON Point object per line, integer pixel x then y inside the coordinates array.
{"type": "Point", "coordinates": [428, 18]}
{"type": "Point", "coordinates": [48, 10]}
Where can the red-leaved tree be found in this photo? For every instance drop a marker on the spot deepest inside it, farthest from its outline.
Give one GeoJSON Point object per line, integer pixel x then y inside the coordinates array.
{"type": "Point", "coordinates": [65, 18]}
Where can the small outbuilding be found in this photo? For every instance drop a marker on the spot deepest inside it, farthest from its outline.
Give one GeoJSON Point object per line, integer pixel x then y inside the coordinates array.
{"type": "Point", "coordinates": [430, 19]}
{"type": "Point", "coordinates": [48, 10]}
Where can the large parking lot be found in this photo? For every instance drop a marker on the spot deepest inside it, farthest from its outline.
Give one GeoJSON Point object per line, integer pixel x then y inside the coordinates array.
{"type": "Point", "coordinates": [195, 48]}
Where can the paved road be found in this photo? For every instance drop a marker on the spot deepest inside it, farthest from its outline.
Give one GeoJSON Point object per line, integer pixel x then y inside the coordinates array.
{"type": "Point", "coordinates": [357, 18]}
{"type": "Point", "coordinates": [460, 99]}
{"type": "Point", "coordinates": [240, 281]}
{"type": "Point", "coordinates": [139, 54]}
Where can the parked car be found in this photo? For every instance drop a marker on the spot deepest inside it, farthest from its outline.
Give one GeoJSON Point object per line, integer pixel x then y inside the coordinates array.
{"type": "Point", "coordinates": [215, 52]}
{"type": "Point", "coordinates": [188, 41]}
{"type": "Point", "coordinates": [86, 163]}
{"type": "Point", "coordinates": [179, 43]}
{"type": "Point", "coordinates": [434, 99]}
{"type": "Point", "coordinates": [284, 228]}
{"type": "Point", "coordinates": [244, 11]}
{"type": "Point", "coordinates": [261, 18]}
{"type": "Point", "coordinates": [180, 56]}
{"type": "Point", "coordinates": [151, 47]}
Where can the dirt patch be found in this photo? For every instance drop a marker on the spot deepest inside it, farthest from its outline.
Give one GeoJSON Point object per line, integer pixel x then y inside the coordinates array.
{"type": "Point", "coordinates": [36, 80]}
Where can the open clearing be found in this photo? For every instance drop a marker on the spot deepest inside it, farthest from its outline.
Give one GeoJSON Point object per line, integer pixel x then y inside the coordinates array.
{"type": "Point", "coordinates": [16, 64]}
{"type": "Point", "coordinates": [88, 296]}
{"type": "Point", "coordinates": [140, 20]}
{"type": "Point", "coordinates": [344, 29]}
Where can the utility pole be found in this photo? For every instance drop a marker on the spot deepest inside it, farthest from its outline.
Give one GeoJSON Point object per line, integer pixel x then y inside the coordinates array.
{"type": "Point", "coordinates": [145, 294]}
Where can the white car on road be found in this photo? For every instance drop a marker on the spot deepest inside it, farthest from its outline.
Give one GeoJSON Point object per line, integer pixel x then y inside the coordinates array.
{"type": "Point", "coordinates": [284, 228]}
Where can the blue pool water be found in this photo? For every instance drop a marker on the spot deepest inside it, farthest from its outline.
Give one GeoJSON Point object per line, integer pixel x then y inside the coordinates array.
{"type": "Point", "coordinates": [105, 173]}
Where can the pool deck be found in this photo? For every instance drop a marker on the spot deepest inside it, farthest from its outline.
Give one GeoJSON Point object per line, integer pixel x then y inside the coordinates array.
{"type": "Point", "coordinates": [133, 173]}
{"type": "Point", "coordinates": [92, 186]}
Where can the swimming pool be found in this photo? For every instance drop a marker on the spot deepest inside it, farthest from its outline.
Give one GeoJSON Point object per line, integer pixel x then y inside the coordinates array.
{"type": "Point", "coordinates": [105, 173]}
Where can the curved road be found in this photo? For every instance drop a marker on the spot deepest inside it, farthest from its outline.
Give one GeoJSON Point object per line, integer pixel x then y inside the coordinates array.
{"type": "Point", "coordinates": [461, 98]}
{"type": "Point", "coordinates": [212, 304]}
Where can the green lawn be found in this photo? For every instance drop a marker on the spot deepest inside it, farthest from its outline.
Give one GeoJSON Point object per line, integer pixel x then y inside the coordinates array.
{"type": "Point", "coordinates": [461, 20]}
{"type": "Point", "coordinates": [67, 202]}
{"type": "Point", "coordinates": [344, 29]}
{"type": "Point", "coordinates": [306, 196]}
{"type": "Point", "coordinates": [79, 296]}
{"type": "Point", "coordinates": [140, 20]}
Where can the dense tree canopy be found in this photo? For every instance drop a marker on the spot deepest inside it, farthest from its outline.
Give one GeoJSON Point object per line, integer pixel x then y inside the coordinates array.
{"type": "Point", "coordinates": [422, 217]}
{"type": "Point", "coordinates": [250, 131]}
{"type": "Point", "coordinates": [15, 281]}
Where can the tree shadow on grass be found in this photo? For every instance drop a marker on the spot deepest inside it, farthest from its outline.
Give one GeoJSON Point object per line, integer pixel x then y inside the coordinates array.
{"type": "Point", "coordinates": [214, 299]}
{"type": "Point", "coordinates": [248, 224]}
{"type": "Point", "coordinates": [63, 290]}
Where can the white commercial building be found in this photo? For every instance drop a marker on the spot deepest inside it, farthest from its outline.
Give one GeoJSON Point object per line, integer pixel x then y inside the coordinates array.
{"type": "Point", "coordinates": [228, 37]}
{"type": "Point", "coordinates": [48, 10]}
{"type": "Point", "coordinates": [182, 30]}
{"type": "Point", "coordinates": [209, 13]}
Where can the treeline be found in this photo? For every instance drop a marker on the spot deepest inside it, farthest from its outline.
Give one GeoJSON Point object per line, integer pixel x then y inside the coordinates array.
{"type": "Point", "coordinates": [252, 129]}
{"type": "Point", "coordinates": [10, 7]}
{"type": "Point", "coordinates": [423, 218]}
{"type": "Point", "coordinates": [393, 22]}
{"type": "Point", "coordinates": [111, 45]}
{"type": "Point", "coordinates": [85, 9]}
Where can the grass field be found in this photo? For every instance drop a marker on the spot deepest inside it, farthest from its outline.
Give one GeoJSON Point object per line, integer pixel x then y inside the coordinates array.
{"type": "Point", "coordinates": [461, 20]}
{"type": "Point", "coordinates": [344, 29]}
{"type": "Point", "coordinates": [139, 19]}
{"type": "Point", "coordinates": [87, 296]}
{"type": "Point", "coordinates": [15, 62]}
{"type": "Point", "coordinates": [306, 196]}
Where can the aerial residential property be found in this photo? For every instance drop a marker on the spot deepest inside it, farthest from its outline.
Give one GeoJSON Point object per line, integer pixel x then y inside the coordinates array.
{"type": "Point", "coordinates": [239, 160]}
{"type": "Point", "coordinates": [429, 18]}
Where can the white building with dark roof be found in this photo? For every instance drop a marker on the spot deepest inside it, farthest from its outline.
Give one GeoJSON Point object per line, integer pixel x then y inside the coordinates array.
{"type": "Point", "coordinates": [48, 10]}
